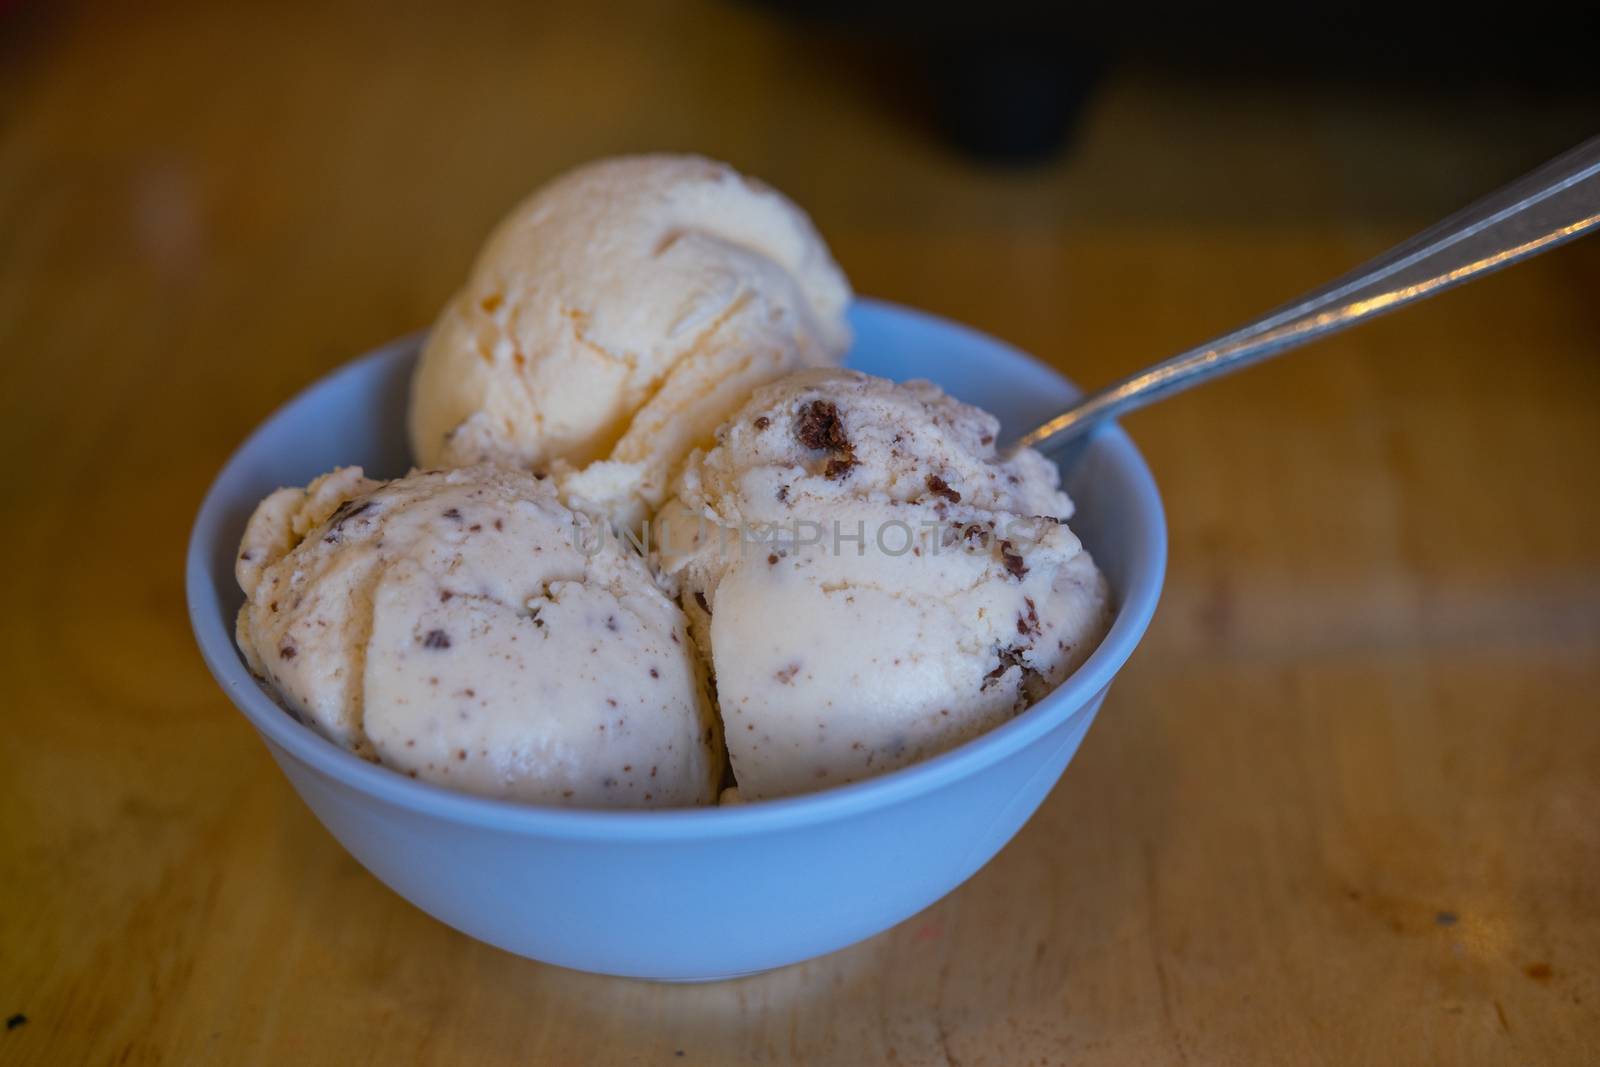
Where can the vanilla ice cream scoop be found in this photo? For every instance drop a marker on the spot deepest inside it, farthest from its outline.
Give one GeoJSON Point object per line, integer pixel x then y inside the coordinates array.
{"type": "Point", "coordinates": [467, 628]}
{"type": "Point", "coordinates": [870, 581]}
{"type": "Point", "coordinates": [615, 318]}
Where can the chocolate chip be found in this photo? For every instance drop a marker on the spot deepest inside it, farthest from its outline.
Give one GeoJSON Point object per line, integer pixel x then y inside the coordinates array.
{"type": "Point", "coordinates": [287, 651]}
{"type": "Point", "coordinates": [986, 439]}
{"type": "Point", "coordinates": [939, 487]}
{"type": "Point", "coordinates": [762, 422]}
{"type": "Point", "coordinates": [819, 426]}
{"type": "Point", "coordinates": [772, 559]}
{"type": "Point", "coordinates": [436, 639]}
{"type": "Point", "coordinates": [498, 525]}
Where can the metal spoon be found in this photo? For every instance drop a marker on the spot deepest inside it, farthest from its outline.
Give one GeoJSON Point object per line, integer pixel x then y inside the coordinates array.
{"type": "Point", "coordinates": [1550, 206]}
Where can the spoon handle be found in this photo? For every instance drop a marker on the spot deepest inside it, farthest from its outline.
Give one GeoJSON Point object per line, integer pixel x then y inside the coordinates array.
{"type": "Point", "coordinates": [1551, 205]}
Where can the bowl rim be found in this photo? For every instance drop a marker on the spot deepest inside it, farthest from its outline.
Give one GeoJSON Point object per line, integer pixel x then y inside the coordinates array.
{"type": "Point", "coordinates": [214, 636]}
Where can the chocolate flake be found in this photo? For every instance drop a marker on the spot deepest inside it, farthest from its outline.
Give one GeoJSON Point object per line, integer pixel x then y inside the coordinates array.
{"type": "Point", "coordinates": [611, 623]}
{"type": "Point", "coordinates": [772, 559]}
{"type": "Point", "coordinates": [783, 494]}
{"type": "Point", "coordinates": [700, 598]}
{"type": "Point", "coordinates": [939, 487]}
{"type": "Point", "coordinates": [839, 467]}
{"type": "Point", "coordinates": [1013, 561]}
{"type": "Point", "coordinates": [348, 510]}
{"type": "Point", "coordinates": [762, 422]}
{"type": "Point", "coordinates": [453, 514]}
{"type": "Point", "coordinates": [1008, 658]}
{"type": "Point", "coordinates": [786, 675]}
{"type": "Point", "coordinates": [445, 595]}
{"type": "Point", "coordinates": [654, 673]}
{"type": "Point", "coordinates": [436, 639]}
{"type": "Point", "coordinates": [1028, 625]}
{"type": "Point", "coordinates": [287, 651]}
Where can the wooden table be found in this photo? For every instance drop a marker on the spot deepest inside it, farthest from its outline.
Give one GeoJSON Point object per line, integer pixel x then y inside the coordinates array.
{"type": "Point", "coordinates": [1342, 807]}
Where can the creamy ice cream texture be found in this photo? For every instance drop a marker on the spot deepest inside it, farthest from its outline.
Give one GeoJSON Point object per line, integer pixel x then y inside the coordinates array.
{"type": "Point", "coordinates": [615, 318]}
{"type": "Point", "coordinates": [467, 628]}
{"type": "Point", "coordinates": [870, 581]}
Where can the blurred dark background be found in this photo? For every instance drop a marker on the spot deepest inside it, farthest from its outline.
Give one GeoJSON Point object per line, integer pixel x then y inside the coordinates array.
{"type": "Point", "coordinates": [1010, 82]}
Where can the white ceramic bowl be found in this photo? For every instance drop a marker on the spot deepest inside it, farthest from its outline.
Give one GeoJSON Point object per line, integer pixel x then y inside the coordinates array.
{"type": "Point", "coordinates": [704, 893]}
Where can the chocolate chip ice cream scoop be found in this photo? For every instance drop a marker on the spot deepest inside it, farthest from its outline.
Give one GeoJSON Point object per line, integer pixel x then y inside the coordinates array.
{"type": "Point", "coordinates": [871, 582]}
{"type": "Point", "coordinates": [467, 628]}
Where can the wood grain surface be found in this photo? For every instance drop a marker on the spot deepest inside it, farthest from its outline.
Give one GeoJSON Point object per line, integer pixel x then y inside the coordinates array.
{"type": "Point", "coordinates": [1342, 807]}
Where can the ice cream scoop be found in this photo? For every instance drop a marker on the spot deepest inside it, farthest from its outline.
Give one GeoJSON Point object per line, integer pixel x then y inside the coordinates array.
{"type": "Point", "coordinates": [615, 318]}
{"type": "Point", "coordinates": [467, 628]}
{"type": "Point", "coordinates": [871, 583]}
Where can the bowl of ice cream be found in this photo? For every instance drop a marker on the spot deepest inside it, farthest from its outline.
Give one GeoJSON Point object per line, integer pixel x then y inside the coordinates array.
{"type": "Point", "coordinates": [617, 591]}
{"type": "Point", "coordinates": [687, 892]}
